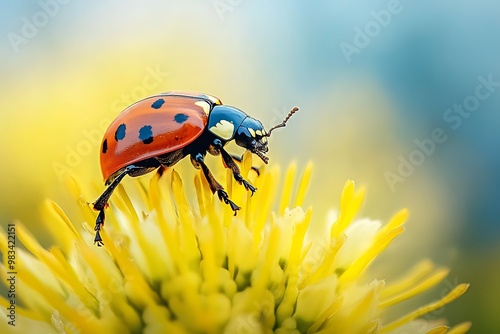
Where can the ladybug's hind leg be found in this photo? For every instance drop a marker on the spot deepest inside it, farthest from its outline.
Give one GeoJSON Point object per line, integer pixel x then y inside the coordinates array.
{"type": "Point", "coordinates": [102, 202]}
{"type": "Point", "coordinates": [198, 161]}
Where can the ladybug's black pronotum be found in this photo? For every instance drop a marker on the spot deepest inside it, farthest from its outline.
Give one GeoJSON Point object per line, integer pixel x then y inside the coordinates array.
{"type": "Point", "coordinates": [162, 129]}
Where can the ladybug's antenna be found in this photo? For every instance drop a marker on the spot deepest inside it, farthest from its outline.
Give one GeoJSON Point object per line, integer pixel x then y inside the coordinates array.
{"type": "Point", "coordinates": [283, 124]}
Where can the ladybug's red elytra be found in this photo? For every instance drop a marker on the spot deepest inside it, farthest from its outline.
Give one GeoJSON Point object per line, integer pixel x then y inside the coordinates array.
{"type": "Point", "coordinates": [162, 129]}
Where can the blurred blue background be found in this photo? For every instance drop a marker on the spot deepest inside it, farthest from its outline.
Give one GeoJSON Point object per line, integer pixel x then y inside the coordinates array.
{"type": "Point", "coordinates": [371, 78]}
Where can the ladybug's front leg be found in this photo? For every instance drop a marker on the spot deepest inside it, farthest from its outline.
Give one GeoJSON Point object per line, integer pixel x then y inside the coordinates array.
{"type": "Point", "coordinates": [198, 161]}
{"type": "Point", "coordinates": [240, 159]}
{"type": "Point", "coordinates": [229, 162]}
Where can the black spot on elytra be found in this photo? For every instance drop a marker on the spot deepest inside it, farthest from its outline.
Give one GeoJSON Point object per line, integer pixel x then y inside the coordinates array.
{"type": "Point", "coordinates": [181, 118]}
{"type": "Point", "coordinates": [158, 103]}
{"type": "Point", "coordinates": [104, 146]}
{"type": "Point", "coordinates": [120, 132]}
{"type": "Point", "coordinates": [146, 134]}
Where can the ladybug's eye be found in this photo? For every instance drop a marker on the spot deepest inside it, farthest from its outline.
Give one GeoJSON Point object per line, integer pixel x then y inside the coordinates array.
{"type": "Point", "coordinates": [245, 139]}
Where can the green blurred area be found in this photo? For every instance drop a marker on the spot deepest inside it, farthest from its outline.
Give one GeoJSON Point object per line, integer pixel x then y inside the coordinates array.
{"type": "Point", "coordinates": [69, 67]}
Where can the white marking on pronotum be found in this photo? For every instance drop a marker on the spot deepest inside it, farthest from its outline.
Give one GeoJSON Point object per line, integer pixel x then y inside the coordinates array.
{"type": "Point", "coordinates": [224, 129]}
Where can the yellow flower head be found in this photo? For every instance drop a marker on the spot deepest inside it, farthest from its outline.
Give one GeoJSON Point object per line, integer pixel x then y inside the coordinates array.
{"type": "Point", "coordinates": [175, 264]}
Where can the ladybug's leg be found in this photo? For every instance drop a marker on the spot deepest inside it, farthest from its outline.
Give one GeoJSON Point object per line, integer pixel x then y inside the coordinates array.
{"type": "Point", "coordinates": [229, 162]}
{"type": "Point", "coordinates": [212, 182]}
{"type": "Point", "coordinates": [240, 159]}
{"type": "Point", "coordinates": [102, 202]}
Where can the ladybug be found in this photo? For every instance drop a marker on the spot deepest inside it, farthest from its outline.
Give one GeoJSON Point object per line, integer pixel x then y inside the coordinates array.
{"type": "Point", "coordinates": [162, 129]}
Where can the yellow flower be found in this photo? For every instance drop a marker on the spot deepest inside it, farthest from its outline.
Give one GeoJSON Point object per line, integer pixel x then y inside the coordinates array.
{"type": "Point", "coordinates": [175, 264]}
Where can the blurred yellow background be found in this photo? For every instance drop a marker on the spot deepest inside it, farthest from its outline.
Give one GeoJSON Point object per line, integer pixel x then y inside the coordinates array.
{"type": "Point", "coordinates": [373, 80]}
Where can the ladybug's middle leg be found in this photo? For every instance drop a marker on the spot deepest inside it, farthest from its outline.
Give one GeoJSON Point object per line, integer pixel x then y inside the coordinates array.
{"type": "Point", "coordinates": [198, 160]}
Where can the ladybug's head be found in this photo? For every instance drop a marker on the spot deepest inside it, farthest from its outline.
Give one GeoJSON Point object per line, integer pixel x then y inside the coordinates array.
{"type": "Point", "coordinates": [228, 123]}
{"type": "Point", "coordinates": [252, 136]}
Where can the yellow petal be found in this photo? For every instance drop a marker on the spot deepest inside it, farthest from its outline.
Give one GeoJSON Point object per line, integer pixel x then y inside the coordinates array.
{"type": "Point", "coordinates": [286, 193]}
{"type": "Point", "coordinates": [303, 185]}
{"type": "Point", "coordinates": [425, 285]}
{"type": "Point", "coordinates": [451, 296]}
{"type": "Point", "coordinates": [313, 300]}
{"type": "Point", "coordinates": [460, 328]}
{"type": "Point", "coordinates": [363, 261]}
{"type": "Point", "coordinates": [438, 330]}
{"type": "Point", "coordinates": [350, 202]}
{"type": "Point", "coordinates": [419, 271]}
